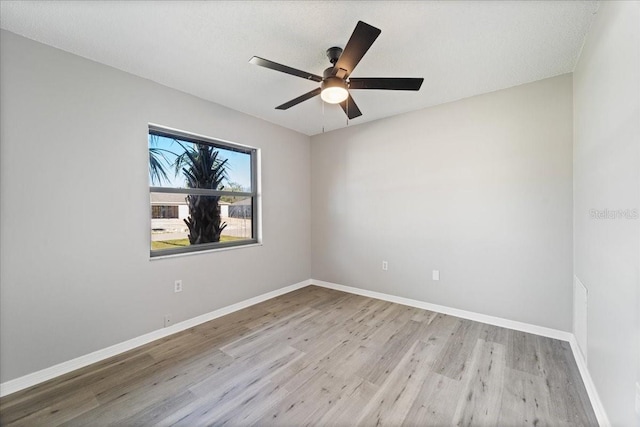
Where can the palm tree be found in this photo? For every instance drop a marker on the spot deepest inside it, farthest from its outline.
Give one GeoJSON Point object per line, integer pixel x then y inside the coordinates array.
{"type": "Point", "coordinates": [202, 169]}
{"type": "Point", "coordinates": [156, 168]}
{"type": "Point", "coordinates": [158, 158]}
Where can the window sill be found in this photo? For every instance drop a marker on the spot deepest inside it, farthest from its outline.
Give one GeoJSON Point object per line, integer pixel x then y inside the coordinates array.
{"type": "Point", "coordinates": [204, 251]}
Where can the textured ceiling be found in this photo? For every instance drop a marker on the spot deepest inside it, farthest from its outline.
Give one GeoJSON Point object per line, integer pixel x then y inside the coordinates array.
{"type": "Point", "coordinates": [461, 48]}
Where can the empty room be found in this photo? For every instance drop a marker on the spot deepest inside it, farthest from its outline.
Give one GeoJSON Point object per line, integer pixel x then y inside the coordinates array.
{"type": "Point", "coordinates": [288, 213]}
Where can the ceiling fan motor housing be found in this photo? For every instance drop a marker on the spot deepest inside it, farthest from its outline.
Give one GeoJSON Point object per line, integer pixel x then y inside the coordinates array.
{"type": "Point", "coordinates": [329, 76]}
{"type": "Point", "coordinates": [333, 53]}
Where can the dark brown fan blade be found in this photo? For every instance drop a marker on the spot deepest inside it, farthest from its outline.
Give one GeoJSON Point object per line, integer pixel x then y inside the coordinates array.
{"type": "Point", "coordinates": [299, 99]}
{"type": "Point", "coordinates": [385, 83]}
{"type": "Point", "coordinates": [284, 69]}
{"type": "Point", "coordinates": [361, 40]}
{"type": "Point", "coordinates": [350, 108]}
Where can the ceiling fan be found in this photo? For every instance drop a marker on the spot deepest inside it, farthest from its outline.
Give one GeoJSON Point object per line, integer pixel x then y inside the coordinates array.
{"type": "Point", "coordinates": [335, 82]}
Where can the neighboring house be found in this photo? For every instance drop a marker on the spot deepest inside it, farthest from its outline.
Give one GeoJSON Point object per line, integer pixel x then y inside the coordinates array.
{"type": "Point", "coordinates": [173, 205]}
{"type": "Point", "coordinates": [240, 209]}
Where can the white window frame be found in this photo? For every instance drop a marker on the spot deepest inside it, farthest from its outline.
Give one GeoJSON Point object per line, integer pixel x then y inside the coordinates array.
{"type": "Point", "coordinates": [254, 194]}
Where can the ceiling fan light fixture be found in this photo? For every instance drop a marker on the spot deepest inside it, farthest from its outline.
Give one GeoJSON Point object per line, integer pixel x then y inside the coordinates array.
{"type": "Point", "coordinates": [334, 90]}
{"type": "Point", "coordinates": [335, 82]}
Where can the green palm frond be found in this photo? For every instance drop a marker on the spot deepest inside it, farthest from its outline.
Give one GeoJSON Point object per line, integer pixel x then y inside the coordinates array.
{"type": "Point", "coordinates": [201, 167]}
{"type": "Point", "coordinates": [156, 169]}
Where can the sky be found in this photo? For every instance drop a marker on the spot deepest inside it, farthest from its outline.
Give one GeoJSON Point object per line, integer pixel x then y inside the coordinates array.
{"type": "Point", "coordinates": [238, 170]}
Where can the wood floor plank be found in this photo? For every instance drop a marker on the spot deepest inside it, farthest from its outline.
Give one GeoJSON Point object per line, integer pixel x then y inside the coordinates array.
{"type": "Point", "coordinates": [425, 316]}
{"type": "Point", "coordinates": [524, 353]}
{"type": "Point", "coordinates": [455, 357]}
{"type": "Point", "coordinates": [183, 369]}
{"type": "Point", "coordinates": [436, 402]}
{"type": "Point", "coordinates": [265, 336]}
{"type": "Point", "coordinates": [153, 414]}
{"type": "Point", "coordinates": [322, 334]}
{"type": "Point", "coordinates": [524, 400]}
{"type": "Point", "coordinates": [52, 392]}
{"type": "Point", "coordinates": [482, 394]}
{"type": "Point", "coordinates": [230, 390]}
{"type": "Point", "coordinates": [318, 356]}
{"type": "Point", "coordinates": [373, 313]}
{"type": "Point", "coordinates": [562, 378]}
{"type": "Point", "coordinates": [255, 368]}
{"type": "Point", "coordinates": [380, 365]}
{"type": "Point", "coordinates": [396, 395]}
{"type": "Point", "coordinates": [252, 405]}
{"type": "Point", "coordinates": [248, 405]}
{"type": "Point", "coordinates": [490, 333]}
{"type": "Point", "coordinates": [58, 412]}
{"type": "Point", "coordinates": [326, 356]}
{"type": "Point", "coordinates": [350, 361]}
{"type": "Point", "coordinates": [350, 408]}
{"type": "Point", "coordinates": [311, 400]}
{"type": "Point", "coordinates": [149, 389]}
{"type": "Point", "coordinates": [438, 328]}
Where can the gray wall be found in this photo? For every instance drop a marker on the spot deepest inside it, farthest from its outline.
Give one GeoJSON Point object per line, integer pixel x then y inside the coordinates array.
{"type": "Point", "coordinates": [479, 189]}
{"type": "Point", "coordinates": [75, 270]}
{"type": "Point", "coordinates": [607, 176]}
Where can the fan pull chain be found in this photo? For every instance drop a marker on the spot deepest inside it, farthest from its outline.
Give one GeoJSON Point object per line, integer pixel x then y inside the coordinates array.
{"type": "Point", "coordinates": [322, 116]}
{"type": "Point", "coordinates": [347, 102]}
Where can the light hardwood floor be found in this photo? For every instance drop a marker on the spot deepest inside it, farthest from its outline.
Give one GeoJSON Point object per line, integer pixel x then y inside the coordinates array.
{"type": "Point", "coordinates": [321, 357]}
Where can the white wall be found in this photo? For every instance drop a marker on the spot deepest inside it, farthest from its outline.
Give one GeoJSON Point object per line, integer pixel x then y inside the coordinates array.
{"type": "Point", "coordinates": [607, 176]}
{"type": "Point", "coordinates": [183, 211]}
{"type": "Point", "coordinates": [479, 189]}
{"type": "Point", "coordinates": [74, 219]}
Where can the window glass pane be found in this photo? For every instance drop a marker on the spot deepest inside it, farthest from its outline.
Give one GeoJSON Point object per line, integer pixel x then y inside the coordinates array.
{"type": "Point", "coordinates": [237, 213]}
{"type": "Point", "coordinates": [182, 220]}
{"type": "Point", "coordinates": [169, 232]}
{"type": "Point", "coordinates": [177, 163]}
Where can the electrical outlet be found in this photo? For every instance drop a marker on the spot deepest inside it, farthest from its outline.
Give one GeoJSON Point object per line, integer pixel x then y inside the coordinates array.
{"type": "Point", "coordinates": [177, 287]}
{"type": "Point", "coordinates": [167, 320]}
{"type": "Point", "coordinates": [385, 265]}
{"type": "Point", "coordinates": [435, 275]}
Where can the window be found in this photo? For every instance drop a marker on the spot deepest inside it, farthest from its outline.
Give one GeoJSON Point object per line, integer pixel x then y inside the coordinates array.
{"type": "Point", "coordinates": [202, 191]}
{"type": "Point", "coordinates": [163, 211]}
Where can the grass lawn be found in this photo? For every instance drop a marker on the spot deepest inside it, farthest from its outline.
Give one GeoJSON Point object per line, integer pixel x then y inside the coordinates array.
{"type": "Point", "coordinates": [167, 244]}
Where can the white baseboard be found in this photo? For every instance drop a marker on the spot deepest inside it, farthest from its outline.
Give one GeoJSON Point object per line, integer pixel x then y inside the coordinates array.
{"type": "Point", "coordinates": [46, 374]}
{"type": "Point", "coordinates": [596, 403]}
{"type": "Point", "coordinates": [483, 318]}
